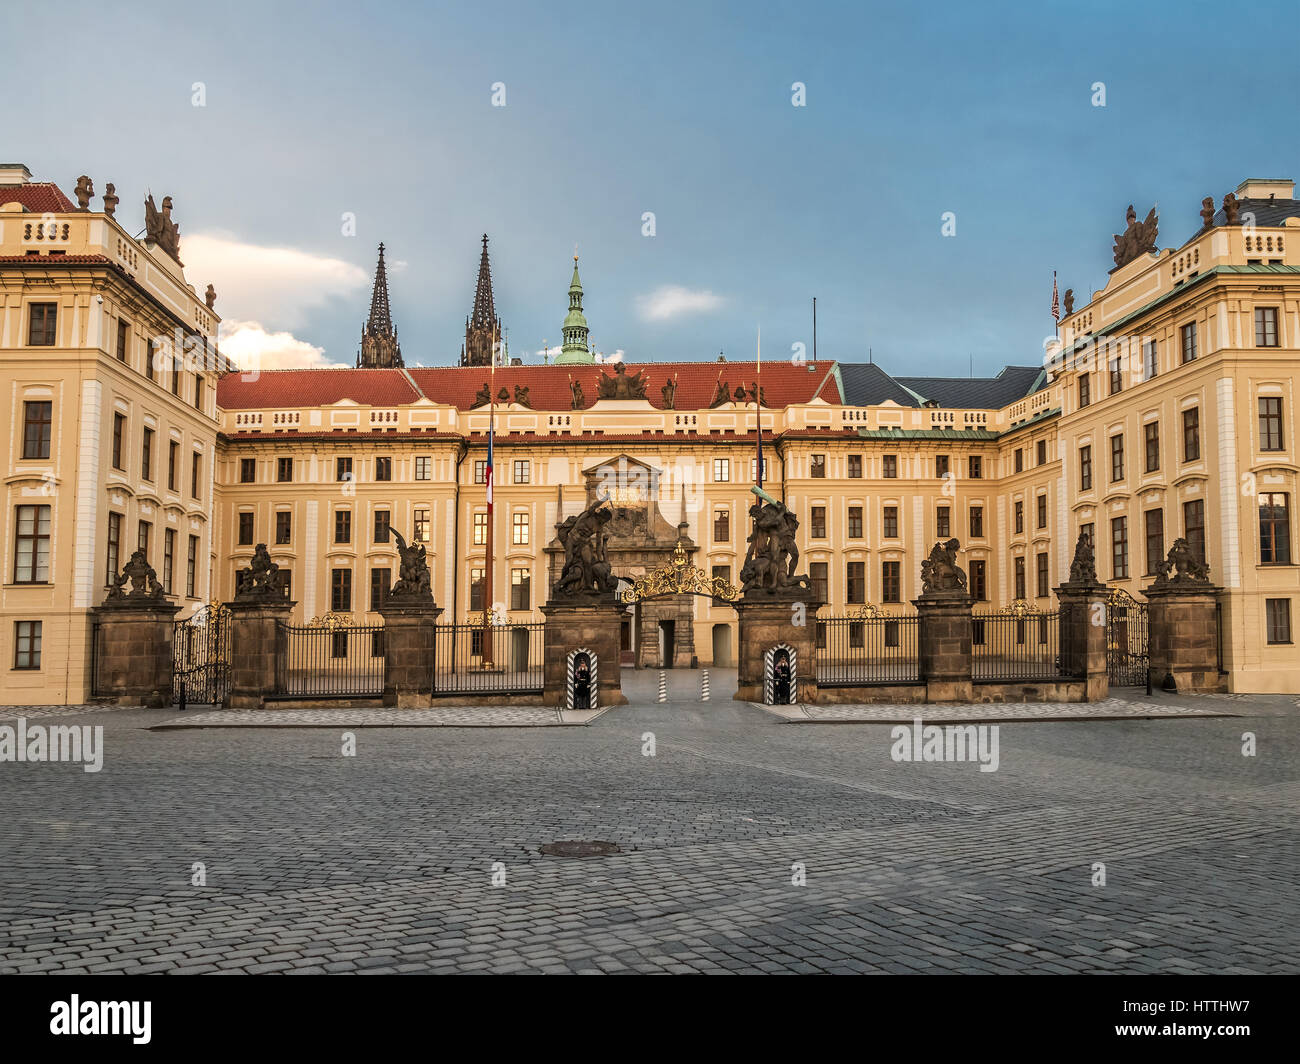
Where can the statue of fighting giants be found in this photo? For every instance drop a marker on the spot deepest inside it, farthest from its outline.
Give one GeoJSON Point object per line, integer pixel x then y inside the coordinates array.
{"type": "Point", "coordinates": [773, 555]}
{"type": "Point", "coordinates": [586, 568]}
{"type": "Point", "coordinates": [413, 579]}
{"type": "Point", "coordinates": [940, 573]}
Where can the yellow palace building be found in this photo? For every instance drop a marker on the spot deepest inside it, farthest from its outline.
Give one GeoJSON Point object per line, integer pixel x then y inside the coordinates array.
{"type": "Point", "coordinates": [1164, 410]}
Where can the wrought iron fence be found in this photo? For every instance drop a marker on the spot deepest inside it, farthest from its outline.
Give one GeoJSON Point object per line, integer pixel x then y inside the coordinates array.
{"type": "Point", "coordinates": [1015, 645]}
{"type": "Point", "coordinates": [1128, 648]}
{"type": "Point", "coordinates": [513, 663]}
{"type": "Point", "coordinates": [201, 657]}
{"type": "Point", "coordinates": [329, 661]}
{"type": "Point", "coordinates": [870, 648]}
{"type": "Point", "coordinates": [96, 657]}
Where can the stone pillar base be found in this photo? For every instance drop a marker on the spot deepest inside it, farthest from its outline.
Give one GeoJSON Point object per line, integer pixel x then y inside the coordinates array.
{"type": "Point", "coordinates": [1184, 641]}
{"type": "Point", "coordinates": [135, 653]}
{"type": "Point", "coordinates": [766, 623]}
{"type": "Point", "coordinates": [591, 623]}
{"type": "Point", "coordinates": [1082, 637]}
{"type": "Point", "coordinates": [409, 646]}
{"type": "Point", "coordinates": [944, 632]}
{"type": "Point", "coordinates": [256, 646]}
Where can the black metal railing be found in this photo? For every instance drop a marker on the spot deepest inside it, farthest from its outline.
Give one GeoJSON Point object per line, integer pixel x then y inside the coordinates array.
{"type": "Point", "coordinates": [1128, 644]}
{"type": "Point", "coordinates": [1012, 646]}
{"type": "Point", "coordinates": [513, 664]}
{"type": "Point", "coordinates": [329, 661]}
{"type": "Point", "coordinates": [860, 651]}
{"type": "Point", "coordinates": [96, 657]}
{"type": "Point", "coordinates": [201, 658]}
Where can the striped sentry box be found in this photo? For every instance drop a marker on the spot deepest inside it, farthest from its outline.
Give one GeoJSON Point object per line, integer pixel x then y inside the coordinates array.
{"type": "Point", "coordinates": [769, 680]}
{"type": "Point", "coordinates": [569, 670]}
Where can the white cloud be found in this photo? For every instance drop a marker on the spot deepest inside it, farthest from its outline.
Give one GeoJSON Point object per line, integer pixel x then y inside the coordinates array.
{"type": "Point", "coordinates": [251, 347]}
{"type": "Point", "coordinates": [279, 286]}
{"type": "Point", "coordinates": [673, 300]}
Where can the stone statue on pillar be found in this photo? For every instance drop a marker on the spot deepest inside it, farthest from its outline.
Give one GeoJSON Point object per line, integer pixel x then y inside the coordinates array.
{"type": "Point", "coordinates": [586, 566]}
{"type": "Point", "coordinates": [260, 582]}
{"type": "Point", "coordinates": [940, 573]}
{"type": "Point", "coordinates": [414, 583]}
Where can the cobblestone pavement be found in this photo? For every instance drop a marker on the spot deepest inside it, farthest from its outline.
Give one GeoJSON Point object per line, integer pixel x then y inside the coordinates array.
{"type": "Point", "coordinates": [437, 717]}
{"type": "Point", "coordinates": [1106, 709]}
{"type": "Point", "coordinates": [385, 861]}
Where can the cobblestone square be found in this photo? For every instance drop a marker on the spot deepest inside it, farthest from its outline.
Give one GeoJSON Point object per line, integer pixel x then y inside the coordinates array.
{"type": "Point", "coordinates": [421, 852]}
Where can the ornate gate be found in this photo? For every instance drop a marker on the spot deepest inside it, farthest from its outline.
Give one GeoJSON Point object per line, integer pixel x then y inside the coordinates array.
{"type": "Point", "coordinates": [201, 656]}
{"type": "Point", "coordinates": [1127, 641]}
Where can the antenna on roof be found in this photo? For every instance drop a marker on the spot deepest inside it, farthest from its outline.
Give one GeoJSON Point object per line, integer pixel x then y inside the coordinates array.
{"type": "Point", "coordinates": [870, 357]}
{"type": "Point", "coordinates": [814, 328]}
{"type": "Point", "coordinates": [971, 356]}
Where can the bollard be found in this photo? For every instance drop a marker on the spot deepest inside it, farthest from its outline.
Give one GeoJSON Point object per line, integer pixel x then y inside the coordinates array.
{"type": "Point", "coordinates": [704, 686]}
{"type": "Point", "coordinates": [663, 686]}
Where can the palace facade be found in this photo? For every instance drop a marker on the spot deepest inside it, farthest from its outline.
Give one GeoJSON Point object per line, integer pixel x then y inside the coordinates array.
{"type": "Point", "coordinates": [1165, 410]}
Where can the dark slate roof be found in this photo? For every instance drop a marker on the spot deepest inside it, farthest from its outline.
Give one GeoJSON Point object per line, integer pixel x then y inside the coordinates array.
{"type": "Point", "coordinates": [866, 384]}
{"type": "Point", "coordinates": [978, 393]}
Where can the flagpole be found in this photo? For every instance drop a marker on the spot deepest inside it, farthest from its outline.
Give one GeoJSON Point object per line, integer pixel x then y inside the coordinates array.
{"type": "Point", "coordinates": [758, 406]}
{"type": "Point", "coordinates": [490, 476]}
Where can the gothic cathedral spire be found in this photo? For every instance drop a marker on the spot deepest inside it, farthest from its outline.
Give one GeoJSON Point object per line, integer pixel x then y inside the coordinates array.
{"type": "Point", "coordinates": [484, 325]}
{"type": "Point", "coordinates": [379, 346]}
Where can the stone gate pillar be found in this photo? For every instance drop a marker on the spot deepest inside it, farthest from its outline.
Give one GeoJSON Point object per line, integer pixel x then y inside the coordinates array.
{"type": "Point", "coordinates": [767, 622]}
{"type": "Point", "coordinates": [257, 612]}
{"type": "Point", "coordinates": [134, 655]}
{"type": "Point", "coordinates": [944, 627]}
{"type": "Point", "coordinates": [590, 622]}
{"type": "Point", "coordinates": [1083, 624]}
{"type": "Point", "coordinates": [1183, 624]}
{"type": "Point", "coordinates": [409, 647]}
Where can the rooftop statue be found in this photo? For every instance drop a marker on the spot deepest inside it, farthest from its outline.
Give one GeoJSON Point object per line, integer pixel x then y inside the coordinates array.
{"type": "Point", "coordinates": [160, 228]}
{"type": "Point", "coordinates": [621, 386]}
{"type": "Point", "coordinates": [111, 199]}
{"type": "Point", "coordinates": [1138, 239]}
{"type": "Point", "coordinates": [84, 190]}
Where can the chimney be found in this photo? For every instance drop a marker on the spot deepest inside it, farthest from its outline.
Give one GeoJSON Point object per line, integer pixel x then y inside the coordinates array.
{"type": "Point", "coordinates": [1266, 188]}
{"type": "Point", "coordinates": [14, 174]}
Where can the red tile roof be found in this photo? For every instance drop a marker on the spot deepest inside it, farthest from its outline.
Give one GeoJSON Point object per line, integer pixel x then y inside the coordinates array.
{"type": "Point", "coordinates": [46, 258]}
{"type": "Point", "coordinates": [548, 386]}
{"type": "Point", "coordinates": [39, 197]}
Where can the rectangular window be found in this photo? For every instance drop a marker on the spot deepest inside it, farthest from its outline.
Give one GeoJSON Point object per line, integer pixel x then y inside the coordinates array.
{"type": "Point", "coordinates": [341, 590]}
{"type": "Point", "coordinates": [342, 469]}
{"type": "Point", "coordinates": [1088, 530]}
{"type": "Point", "coordinates": [173, 453]}
{"type": "Point", "coordinates": [284, 470]}
{"type": "Point", "coordinates": [1270, 424]}
{"type": "Point", "coordinates": [891, 467]}
{"type": "Point", "coordinates": [819, 573]}
{"type": "Point", "coordinates": [890, 530]}
{"type": "Point", "coordinates": [1042, 511]}
{"type": "Point", "coordinates": [976, 467]}
{"type": "Point", "coordinates": [519, 528]}
{"type": "Point", "coordinates": [1274, 529]}
{"type": "Point", "coordinates": [381, 526]}
{"type": "Point", "coordinates": [721, 470]}
{"type": "Point", "coordinates": [339, 644]}
{"type": "Point", "coordinates": [194, 475]}
{"type": "Point", "coordinates": [480, 471]}
{"type": "Point", "coordinates": [480, 529]}
{"type": "Point", "coordinates": [114, 560]}
{"type": "Point", "coordinates": [977, 522]}
{"type": "Point", "coordinates": [855, 467]}
{"type": "Point", "coordinates": [1119, 548]}
{"type": "Point", "coordinates": [817, 469]}
{"type": "Point", "coordinates": [192, 568]}
{"type": "Point", "coordinates": [523, 471]}
{"type": "Point", "coordinates": [38, 421]}
{"type": "Point", "coordinates": [150, 370]}
{"type": "Point", "coordinates": [284, 577]}
{"type": "Point", "coordinates": [32, 545]}
{"type": "Point", "coordinates": [421, 531]}
{"type": "Point", "coordinates": [856, 582]}
{"type": "Point", "coordinates": [1191, 434]}
{"type": "Point", "coordinates": [198, 391]}
{"type": "Point", "coordinates": [283, 527]}
{"type": "Point", "coordinates": [1040, 449]}
{"type": "Point", "coordinates": [818, 522]}
{"type": "Point", "coordinates": [1020, 516]}
{"type": "Point", "coordinates": [941, 466]}
{"type": "Point", "coordinates": [146, 455]}
{"type": "Point", "coordinates": [753, 469]}
{"type": "Point", "coordinates": [1043, 577]}
{"type": "Point", "coordinates": [143, 537]}
{"type": "Point", "coordinates": [41, 321]}
{"type": "Point", "coordinates": [169, 558]}
{"type": "Point", "coordinates": [119, 436]}
{"type": "Point", "coordinates": [1020, 578]}
{"type": "Point", "coordinates": [1150, 360]}
{"type": "Point", "coordinates": [1116, 458]}
{"type": "Point", "coordinates": [1155, 529]}
{"type": "Point", "coordinates": [380, 581]}
{"type": "Point", "coordinates": [383, 469]}
{"type": "Point", "coordinates": [424, 467]}
{"type": "Point", "coordinates": [1116, 375]}
{"type": "Point", "coordinates": [1278, 614]}
{"type": "Point", "coordinates": [979, 584]}
{"type": "Point", "coordinates": [943, 521]}
{"type": "Point", "coordinates": [1085, 391]}
{"type": "Point", "coordinates": [245, 529]}
{"type": "Point", "coordinates": [1188, 335]}
{"type": "Point", "coordinates": [891, 582]}
{"type": "Point", "coordinates": [27, 644]}
{"type": "Point", "coordinates": [520, 589]}
{"type": "Point", "coordinates": [176, 376]}
{"type": "Point", "coordinates": [721, 526]}
{"type": "Point", "coordinates": [855, 522]}
{"type": "Point", "coordinates": [342, 526]}
{"type": "Point", "coordinates": [122, 331]}
{"type": "Point", "coordinates": [1151, 431]}
{"type": "Point", "coordinates": [477, 583]}
{"type": "Point", "coordinates": [1266, 326]}
{"type": "Point", "coordinates": [1020, 460]}
{"type": "Point", "coordinates": [247, 470]}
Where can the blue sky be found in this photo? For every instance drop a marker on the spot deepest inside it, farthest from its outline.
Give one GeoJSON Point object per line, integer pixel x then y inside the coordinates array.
{"type": "Point", "coordinates": [385, 110]}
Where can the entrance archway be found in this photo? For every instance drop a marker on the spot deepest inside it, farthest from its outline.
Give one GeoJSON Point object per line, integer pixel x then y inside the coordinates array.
{"type": "Point", "coordinates": [666, 623]}
{"type": "Point", "coordinates": [722, 646]}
